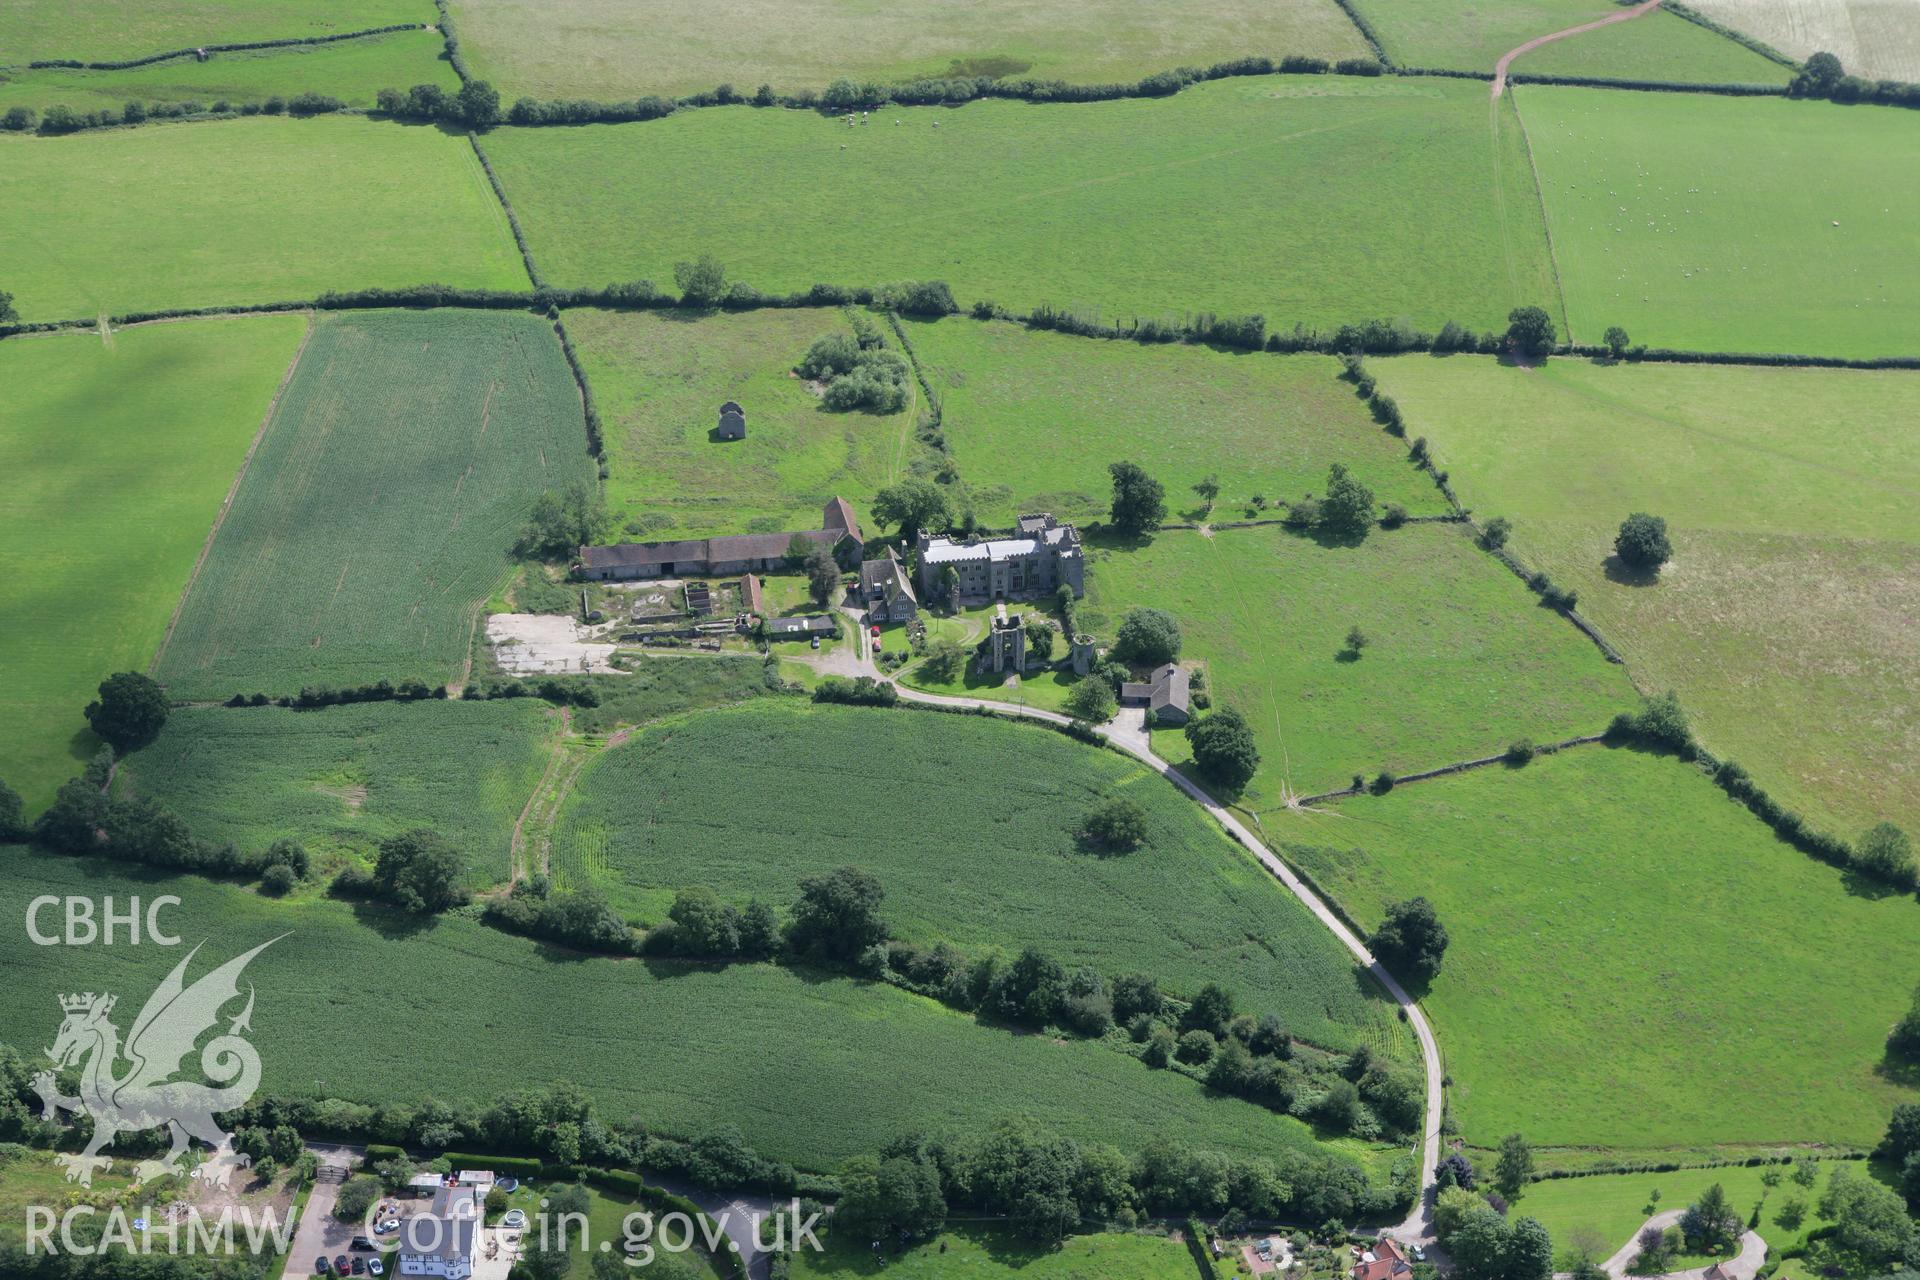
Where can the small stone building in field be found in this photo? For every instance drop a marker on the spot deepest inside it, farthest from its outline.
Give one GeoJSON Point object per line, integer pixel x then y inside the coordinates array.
{"type": "Point", "coordinates": [733, 422]}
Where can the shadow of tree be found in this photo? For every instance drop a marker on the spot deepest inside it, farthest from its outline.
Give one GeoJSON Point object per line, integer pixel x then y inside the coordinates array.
{"type": "Point", "coordinates": [1626, 575]}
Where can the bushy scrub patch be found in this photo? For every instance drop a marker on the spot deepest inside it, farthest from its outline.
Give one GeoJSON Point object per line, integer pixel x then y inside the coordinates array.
{"type": "Point", "coordinates": [341, 779]}
{"type": "Point", "coordinates": [741, 801]}
{"type": "Point", "coordinates": [352, 70]}
{"type": "Point", "coordinates": [1781, 620]}
{"type": "Point", "coordinates": [1033, 418]}
{"type": "Point", "coordinates": [1459, 659]}
{"type": "Point", "coordinates": [678, 1047]}
{"type": "Point", "coordinates": [1731, 224]}
{"type": "Point", "coordinates": [592, 49]}
{"type": "Point", "coordinates": [659, 381]}
{"type": "Point", "coordinates": [118, 458]}
{"type": "Point", "coordinates": [244, 211]}
{"type": "Point", "coordinates": [1278, 180]}
{"type": "Point", "coordinates": [1604, 897]}
{"type": "Point", "coordinates": [382, 506]}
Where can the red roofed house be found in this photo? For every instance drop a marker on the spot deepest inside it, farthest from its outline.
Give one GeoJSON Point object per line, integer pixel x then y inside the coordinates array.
{"type": "Point", "coordinates": [1385, 1261]}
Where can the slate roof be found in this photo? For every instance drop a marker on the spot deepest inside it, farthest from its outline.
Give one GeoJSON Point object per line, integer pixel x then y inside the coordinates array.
{"type": "Point", "coordinates": [624, 554]}
{"type": "Point", "coordinates": [445, 1231]}
{"type": "Point", "coordinates": [807, 625]}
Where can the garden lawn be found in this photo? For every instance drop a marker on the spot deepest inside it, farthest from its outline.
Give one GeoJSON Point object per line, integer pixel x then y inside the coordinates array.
{"type": "Point", "coordinates": [262, 209]}
{"type": "Point", "coordinates": [750, 801]}
{"type": "Point", "coordinates": [106, 31]}
{"type": "Point", "coordinates": [1610, 1208]}
{"type": "Point", "coordinates": [341, 779]}
{"type": "Point", "coordinates": [1731, 224]}
{"type": "Point", "coordinates": [1636, 962]}
{"type": "Point", "coordinates": [1461, 658]}
{"type": "Point", "coordinates": [776, 1052]}
{"type": "Point", "coordinates": [979, 1253]}
{"type": "Point", "coordinates": [593, 49]}
{"type": "Point", "coordinates": [1654, 46]}
{"type": "Point", "coordinates": [352, 70]}
{"type": "Point", "coordinates": [380, 510]}
{"type": "Point", "coordinates": [1877, 39]}
{"type": "Point", "coordinates": [117, 459]}
{"type": "Point", "coordinates": [1245, 195]}
{"type": "Point", "coordinates": [659, 380]}
{"type": "Point", "coordinates": [1784, 621]}
{"type": "Point", "coordinates": [1034, 417]}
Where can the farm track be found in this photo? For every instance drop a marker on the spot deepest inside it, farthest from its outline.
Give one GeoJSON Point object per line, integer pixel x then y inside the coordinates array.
{"type": "Point", "coordinates": [1626, 15]}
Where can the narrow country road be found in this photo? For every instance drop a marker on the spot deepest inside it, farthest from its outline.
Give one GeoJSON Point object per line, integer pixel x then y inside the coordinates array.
{"type": "Point", "coordinates": [1131, 737]}
{"type": "Point", "coordinates": [1500, 67]}
{"type": "Point", "coordinates": [1744, 1266]}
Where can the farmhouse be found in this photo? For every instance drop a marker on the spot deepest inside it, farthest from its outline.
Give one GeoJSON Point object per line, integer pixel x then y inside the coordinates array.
{"type": "Point", "coordinates": [1042, 556]}
{"type": "Point", "coordinates": [733, 422]}
{"type": "Point", "coordinates": [1385, 1261]}
{"type": "Point", "coordinates": [440, 1241]}
{"type": "Point", "coordinates": [739, 553]}
{"type": "Point", "coordinates": [1164, 694]}
{"type": "Point", "coordinates": [886, 590]}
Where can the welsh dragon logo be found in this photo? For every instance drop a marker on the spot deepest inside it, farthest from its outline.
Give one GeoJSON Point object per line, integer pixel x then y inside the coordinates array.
{"type": "Point", "coordinates": [145, 1095]}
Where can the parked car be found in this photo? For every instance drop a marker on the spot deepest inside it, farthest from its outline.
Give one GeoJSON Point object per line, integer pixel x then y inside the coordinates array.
{"type": "Point", "coordinates": [388, 1227]}
{"type": "Point", "coordinates": [816, 642]}
{"type": "Point", "coordinates": [359, 1266]}
{"type": "Point", "coordinates": [375, 1267]}
{"type": "Point", "coordinates": [361, 1243]}
{"type": "Point", "coordinates": [341, 1264]}
{"type": "Point", "coordinates": [321, 1266]}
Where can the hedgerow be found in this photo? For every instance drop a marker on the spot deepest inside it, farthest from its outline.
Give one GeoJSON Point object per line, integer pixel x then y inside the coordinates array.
{"type": "Point", "coordinates": [128, 65]}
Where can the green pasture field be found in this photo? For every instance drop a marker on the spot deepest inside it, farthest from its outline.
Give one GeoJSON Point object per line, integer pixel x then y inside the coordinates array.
{"type": "Point", "coordinates": [102, 30]}
{"type": "Point", "coordinates": [1870, 37]}
{"type": "Point", "coordinates": [1462, 659]}
{"type": "Point", "coordinates": [1636, 962]}
{"type": "Point", "coordinates": [975, 1253]}
{"type": "Point", "coordinates": [1655, 46]}
{"type": "Point", "coordinates": [1610, 1208]}
{"type": "Point", "coordinates": [262, 209]}
{"type": "Point", "coordinates": [1784, 620]}
{"type": "Point", "coordinates": [1731, 224]}
{"type": "Point", "coordinates": [592, 48]}
{"type": "Point", "coordinates": [1033, 418]}
{"type": "Point", "coordinates": [749, 801]}
{"type": "Point", "coordinates": [352, 70]}
{"type": "Point", "coordinates": [659, 380]}
{"type": "Point", "coordinates": [117, 458]}
{"type": "Point", "coordinates": [1046, 687]}
{"type": "Point", "coordinates": [379, 513]}
{"type": "Point", "coordinates": [773, 1051]}
{"type": "Point", "coordinates": [1245, 195]}
{"type": "Point", "coordinates": [341, 779]}
{"type": "Point", "coordinates": [607, 1215]}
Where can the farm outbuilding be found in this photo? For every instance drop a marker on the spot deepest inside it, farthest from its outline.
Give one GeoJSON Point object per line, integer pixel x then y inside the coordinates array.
{"type": "Point", "coordinates": [733, 422]}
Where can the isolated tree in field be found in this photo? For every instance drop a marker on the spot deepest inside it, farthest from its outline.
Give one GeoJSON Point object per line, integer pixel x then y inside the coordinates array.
{"type": "Point", "coordinates": [1711, 1221]}
{"type": "Point", "coordinates": [1515, 1165]}
{"type": "Point", "coordinates": [560, 523]}
{"type": "Point", "coordinates": [1530, 331]}
{"type": "Point", "coordinates": [1886, 853]}
{"type": "Point", "coordinates": [1411, 940]}
{"type": "Point", "coordinates": [702, 282]}
{"type": "Point", "coordinates": [1223, 748]}
{"type": "Point", "coordinates": [420, 871]}
{"type": "Point", "coordinates": [478, 103]}
{"type": "Point", "coordinates": [1091, 702]}
{"type": "Point", "coordinates": [1792, 1213]}
{"type": "Point", "coordinates": [1147, 637]}
{"type": "Point", "coordinates": [1617, 342]}
{"type": "Point", "coordinates": [946, 658]}
{"type": "Point", "coordinates": [823, 573]}
{"type": "Point", "coordinates": [1642, 541]}
{"type": "Point", "coordinates": [1209, 489]}
{"type": "Point", "coordinates": [838, 915]}
{"type": "Point", "coordinates": [130, 711]}
{"type": "Point", "coordinates": [913, 505]}
{"type": "Point", "coordinates": [1807, 1172]}
{"type": "Point", "coordinates": [1139, 503]}
{"type": "Point", "coordinates": [1348, 507]}
{"type": "Point", "coordinates": [1116, 823]}
{"type": "Point", "coordinates": [1357, 640]}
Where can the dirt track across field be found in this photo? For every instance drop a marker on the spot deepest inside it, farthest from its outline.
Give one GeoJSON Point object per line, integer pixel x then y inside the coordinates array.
{"type": "Point", "coordinates": [1500, 67]}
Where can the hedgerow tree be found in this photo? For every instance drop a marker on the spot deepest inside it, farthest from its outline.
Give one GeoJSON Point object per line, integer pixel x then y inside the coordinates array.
{"type": "Point", "coordinates": [13, 824]}
{"type": "Point", "coordinates": [478, 103]}
{"type": "Point", "coordinates": [1530, 331]}
{"type": "Point", "coordinates": [420, 871]}
{"type": "Point", "coordinates": [7, 314]}
{"type": "Point", "coordinates": [1642, 541]}
{"type": "Point", "coordinates": [1139, 503]}
{"type": "Point", "coordinates": [1886, 852]}
{"type": "Point", "coordinates": [912, 504]}
{"type": "Point", "coordinates": [1617, 341]}
{"type": "Point", "coordinates": [1904, 1040]}
{"type": "Point", "coordinates": [1817, 76]}
{"type": "Point", "coordinates": [562, 522]}
{"type": "Point", "coordinates": [1223, 748]}
{"type": "Point", "coordinates": [130, 711]}
{"type": "Point", "coordinates": [1515, 1166]}
{"type": "Point", "coordinates": [1149, 637]}
{"type": "Point", "coordinates": [899, 1196]}
{"type": "Point", "coordinates": [838, 915]}
{"type": "Point", "coordinates": [702, 282]}
{"type": "Point", "coordinates": [1348, 507]}
{"type": "Point", "coordinates": [1411, 939]}
{"type": "Point", "coordinates": [1208, 487]}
